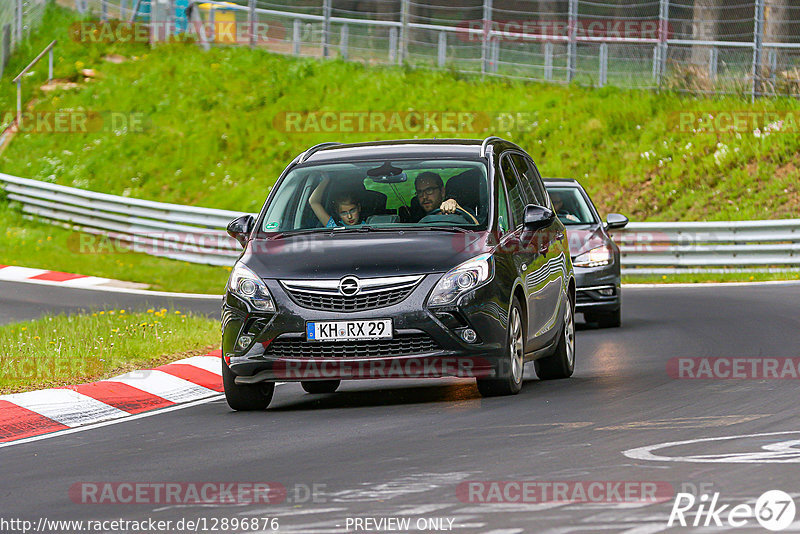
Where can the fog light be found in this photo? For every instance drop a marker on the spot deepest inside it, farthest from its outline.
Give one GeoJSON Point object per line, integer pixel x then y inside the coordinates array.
{"type": "Point", "coordinates": [469, 335]}
{"type": "Point", "coordinates": [243, 342]}
{"type": "Point", "coordinates": [607, 292]}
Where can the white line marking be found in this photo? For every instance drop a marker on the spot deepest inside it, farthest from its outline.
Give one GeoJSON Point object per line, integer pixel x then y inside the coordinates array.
{"type": "Point", "coordinates": [777, 454]}
{"type": "Point", "coordinates": [163, 385]}
{"type": "Point", "coordinates": [712, 284]}
{"type": "Point", "coordinates": [65, 406]}
{"type": "Point", "coordinates": [112, 422]}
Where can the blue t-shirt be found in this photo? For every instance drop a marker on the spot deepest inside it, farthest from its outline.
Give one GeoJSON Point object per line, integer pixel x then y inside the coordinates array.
{"type": "Point", "coordinates": [332, 224]}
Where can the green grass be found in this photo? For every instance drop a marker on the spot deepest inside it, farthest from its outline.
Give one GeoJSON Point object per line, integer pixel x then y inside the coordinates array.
{"type": "Point", "coordinates": [211, 137]}
{"type": "Point", "coordinates": [39, 245]}
{"type": "Point", "coordinates": [61, 350]}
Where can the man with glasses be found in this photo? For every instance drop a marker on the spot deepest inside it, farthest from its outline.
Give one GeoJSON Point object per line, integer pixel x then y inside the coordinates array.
{"type": "Point", "coordinates": [430, 193]}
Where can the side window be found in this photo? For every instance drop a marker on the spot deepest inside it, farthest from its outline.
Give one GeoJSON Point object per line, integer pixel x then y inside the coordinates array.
{"type": "Point", "coordinates": [530, 180]}
{"type": "Point", "coordinates": [515, 193]}
{"type": "Point", "coordinates": [503, 222]}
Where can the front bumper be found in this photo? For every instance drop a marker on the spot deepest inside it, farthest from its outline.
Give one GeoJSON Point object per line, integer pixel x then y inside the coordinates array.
{"type": "Point", "coordinates": [425, 342]}
{"type": "Point", "coordinates": [598, 289]}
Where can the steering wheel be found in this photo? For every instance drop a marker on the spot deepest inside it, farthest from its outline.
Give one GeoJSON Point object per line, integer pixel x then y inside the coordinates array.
{"type": "Point", "coordinates": [459, 211]}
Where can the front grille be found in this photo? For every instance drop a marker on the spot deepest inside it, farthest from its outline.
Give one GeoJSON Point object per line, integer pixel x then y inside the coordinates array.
{"type": "Point", "coordinates": [405, 345]}
{"type": "Point", "coordinates": [376, 293]}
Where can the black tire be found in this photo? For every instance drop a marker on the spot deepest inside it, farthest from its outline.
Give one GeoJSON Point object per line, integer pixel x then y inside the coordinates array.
{"type": "Point", "coordinates": [605, 319]}
{"type": "Point", "coordinates": [246, 397]}
{"type": "Point", "coordinates": [511, 369]}
{"type": "Point", "coordinates": [561, 364]}
{"type": "Point", "coordinates": [320, 386]}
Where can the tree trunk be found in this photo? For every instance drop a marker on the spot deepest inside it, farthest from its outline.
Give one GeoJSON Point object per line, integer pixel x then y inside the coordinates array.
{"type": "Point", "coordinates": [706, 16]}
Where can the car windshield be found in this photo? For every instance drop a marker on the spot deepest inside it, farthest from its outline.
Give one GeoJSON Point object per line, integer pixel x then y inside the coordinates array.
{"type": "Point", "coordinates": [570, 205]}
{"type": "Point", "coordinates": [380, 194]}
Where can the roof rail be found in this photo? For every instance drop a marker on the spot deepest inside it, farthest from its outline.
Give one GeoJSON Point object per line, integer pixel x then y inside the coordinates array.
{"type": "Point", "coordinates": [308, 153]}
{"type": "Point", "coordinates": [486, 142]}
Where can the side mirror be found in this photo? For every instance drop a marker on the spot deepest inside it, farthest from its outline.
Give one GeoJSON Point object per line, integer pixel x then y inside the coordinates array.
{"type": "Point", "coordinates": [615, 220]}
{"type": "Point", "coordinates": [240, 228]}
{"type": "Point", "coordinates": [537, 217]}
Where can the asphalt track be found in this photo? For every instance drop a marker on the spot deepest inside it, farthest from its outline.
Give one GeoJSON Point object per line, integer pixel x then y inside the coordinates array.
{"type": "Point", "coordinates": [400, 449]}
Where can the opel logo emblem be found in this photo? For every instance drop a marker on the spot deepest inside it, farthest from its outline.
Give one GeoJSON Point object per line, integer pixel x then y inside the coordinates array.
{"type": "Point", "coordinates": [349, 286]}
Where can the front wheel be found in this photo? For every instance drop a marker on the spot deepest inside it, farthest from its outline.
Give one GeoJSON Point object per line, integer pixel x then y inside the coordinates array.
{"type": "Point", "coordinates": [560, 364]}
{"type": "Point", "coordinates": [510, 370]}
{"type": "Point", "coordinates": [320, 386]}
{"type": "Point", "coordinates": [246, 397]}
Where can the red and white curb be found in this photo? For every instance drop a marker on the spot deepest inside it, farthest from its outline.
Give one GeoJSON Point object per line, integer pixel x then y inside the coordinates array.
{"type": "Point", "coordinates": [11, 273]}
{"type": "Point", "coordinates": [33, 413]}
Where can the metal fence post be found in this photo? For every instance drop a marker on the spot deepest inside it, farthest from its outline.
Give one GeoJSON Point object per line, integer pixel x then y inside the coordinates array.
{"type": "Point", "coordinates": [104, 10]}
{"type": "Point", "coordinates": [657, 64]}
{"type": "Point", "coordinates": [603, 64]}
{"type": "Point", "coordinates": [487, 35]}
{"type": "Point", "coordinates": [326, 26]}
{"type": "Point", "coordinates": [758, 30]}
{"type": "Point", "coordinates": [123, 7]}
{"type": "Point", "coordinates": [404, 16]}
{"type": "Point", "coordinates": [19, 105]}
{"type": "Point", "coordinates": [251, 21]}
{"type": "Point", "coordinates": [663, 35]}
{"type": "Point", "coordinates": [5, 53]}
{"type": "Point", "coordinates": [713, 58]}
{"type": "Point", "coordinates": [392, 44]}
{"type": "Point", "coordinates": [50, 66]}
{"type": "Point", "coordinates": [170, 30]}
{"type": "Point", "coordinates": [19, 20]}
{"type": "Point", "coordinates": [572, 55]}
{"type": "Point", "coordinates": [296, 29]}
{"type": "Point", "coordinates": [772, 59]}
{"type": "Point", "coordinates": [343, 38]}
{"type": "Point", "coordinates": [495, 50]}
{"type": "Point", "coordinates": [442, 49]}
{"type": "Point", "coordinates": [548, 61]}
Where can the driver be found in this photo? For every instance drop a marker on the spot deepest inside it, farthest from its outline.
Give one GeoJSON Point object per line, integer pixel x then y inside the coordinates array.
{"type": "Point", "coordinates": [560, 209]}
{"type": "Point", "coordinates": [430, 193]}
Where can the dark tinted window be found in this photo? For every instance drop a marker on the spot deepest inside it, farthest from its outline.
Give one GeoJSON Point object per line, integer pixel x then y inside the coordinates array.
{"type": "Point", "coordinates": [515, 194]}
{"type": "Point", "coordinates": [530, 179]}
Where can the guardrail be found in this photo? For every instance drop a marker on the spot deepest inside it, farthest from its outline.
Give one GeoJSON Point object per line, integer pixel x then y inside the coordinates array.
{"type": "Point", "coordinates": [186, 233]}
{"type": "Point", "coordinates": [197, 235]}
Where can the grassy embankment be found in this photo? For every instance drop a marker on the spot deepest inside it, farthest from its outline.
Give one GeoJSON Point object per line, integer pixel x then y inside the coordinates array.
{"type": "Point", "coordinates": [58, 350]}
{"type": "Point", "coordinates": [210, 135]}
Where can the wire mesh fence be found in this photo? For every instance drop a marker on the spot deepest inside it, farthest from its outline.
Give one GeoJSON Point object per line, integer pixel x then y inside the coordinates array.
{"type": "Point", "coordinates": [705, 46]}
{"type": "Point", "coordinates": [17, 19]}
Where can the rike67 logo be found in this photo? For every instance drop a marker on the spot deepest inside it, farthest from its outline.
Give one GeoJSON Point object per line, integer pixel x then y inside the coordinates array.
{"type": "Point", "coordinates": [774, 510]}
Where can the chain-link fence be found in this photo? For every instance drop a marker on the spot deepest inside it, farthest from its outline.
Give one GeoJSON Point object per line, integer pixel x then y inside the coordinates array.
{"type": "Point", "coordinates": [704, 46]}
{"type": "Point", "coordinates": [17, 19]}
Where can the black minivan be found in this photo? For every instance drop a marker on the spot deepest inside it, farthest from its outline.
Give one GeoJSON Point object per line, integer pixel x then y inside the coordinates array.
{"type": "Point", "coordinates": [399, 259]}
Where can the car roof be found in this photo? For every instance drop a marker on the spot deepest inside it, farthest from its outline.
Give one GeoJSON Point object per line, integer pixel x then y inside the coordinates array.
{"type": "Point", "coordinates": [403, 149]}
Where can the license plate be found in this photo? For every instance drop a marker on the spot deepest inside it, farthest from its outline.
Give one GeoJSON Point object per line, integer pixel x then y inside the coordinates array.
{"type": "Point", "coordinates": [349, 330]}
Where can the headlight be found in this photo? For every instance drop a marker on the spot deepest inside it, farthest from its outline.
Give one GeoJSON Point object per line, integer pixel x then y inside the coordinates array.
{"type": "Point", "coordinates": [465, 277]}
{"type": "Point", "coordinates": [596, 257]}
{"type": "Point", "coordinates": [246, 284]}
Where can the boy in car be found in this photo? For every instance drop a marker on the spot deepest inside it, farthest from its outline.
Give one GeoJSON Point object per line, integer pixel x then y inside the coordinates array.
{"type": "Point", "coordinates": [347, 206]}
